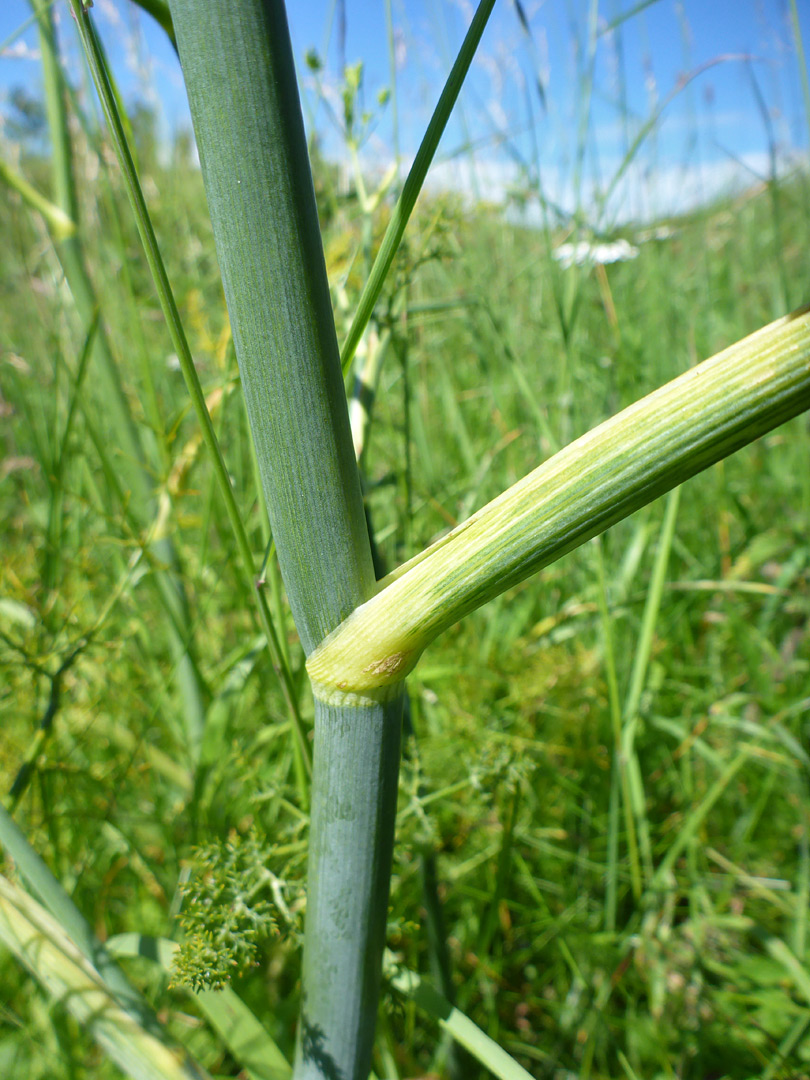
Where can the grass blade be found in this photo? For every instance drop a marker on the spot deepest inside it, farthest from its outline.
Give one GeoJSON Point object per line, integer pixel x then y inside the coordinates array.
{"type": "Point", "coordinates": [791, 963]}
{"type": "Point", "coordinates": [652, 607]}
{"type": "Point", "coordinates": [456, 1024]}
{"type": "Point", "coordinates": [97, 66]}
{"type": "Point", "coordinates": [620, 778]}
{"type": "Point", "coordinates": [696, 818]}
{"type": "Point", "coordinates": [797, 37]}
{"type": "Point", "coordinates": [159, 10]}
{"type": "Point", "coordinates": [60, 223]}
{"type": "Point", "coordinates": [413, 184]}
{"type": "Point", "coordinates": [40, 943]}
{"type": "Point", "coordinates": [230, 1017]}
{"type": "Point", "coordinates": [641, 662]}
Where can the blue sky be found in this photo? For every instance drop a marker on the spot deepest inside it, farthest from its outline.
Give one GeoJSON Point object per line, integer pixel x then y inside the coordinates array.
{"type": "Point", "coordinates": [713, 132]}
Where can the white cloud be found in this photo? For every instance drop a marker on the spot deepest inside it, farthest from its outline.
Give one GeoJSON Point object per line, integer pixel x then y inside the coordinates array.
{"type": "Point", "coordinates": [642, 194]}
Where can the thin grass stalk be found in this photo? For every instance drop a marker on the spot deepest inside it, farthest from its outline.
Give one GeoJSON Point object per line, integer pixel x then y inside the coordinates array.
{"type": "Point", "coordinates": [779, 1059]}
{"type": "Point", "coordinates": [414, 182]}
{"type": "Point", "coordinates": [56, 482]}
{"type": "Point", "coordinates": [239, 72]}
{"type": "Point", "coordinates": [392, 68]}
{"type": "Point", "coordinates": [692, 822]}
{"type": "Point", "coordinates": [641, 661]}
{"type": "Point", "coordinates": [35, 747]}
{"type": "Point", "coordinates": [59, 223]}
{"type": "Point", "coordinates": [799, 928]}
{"type": "Point", "coordinates": [800, 58]}
{"type": "Point", "coordinates": [620, 783]}
{"type": "Point", "coordinates": [586, 83]}
{"type": "Point", "coordinates": [134, 460]}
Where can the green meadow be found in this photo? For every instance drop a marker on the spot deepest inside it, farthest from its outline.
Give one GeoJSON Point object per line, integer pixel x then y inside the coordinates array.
{"type": "Point", "coordinates": [602, 851]}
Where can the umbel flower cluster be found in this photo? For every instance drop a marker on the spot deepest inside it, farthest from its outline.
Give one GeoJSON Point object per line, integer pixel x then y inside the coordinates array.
{"type": "Point", "coordinates": [226, 912]}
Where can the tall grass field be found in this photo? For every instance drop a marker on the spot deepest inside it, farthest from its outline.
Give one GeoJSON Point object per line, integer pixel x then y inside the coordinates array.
{"type": "Point", "coordinates": [601, 865]}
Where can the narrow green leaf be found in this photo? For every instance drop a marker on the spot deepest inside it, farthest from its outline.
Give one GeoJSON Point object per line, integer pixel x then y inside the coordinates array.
{"type": "Point", "coordinates": [796, 1033]}
{"type": "Point", "coordinates": [791, 963]}
{"type": "Point", "coordinates": [625, 1064]}
{"type": "Point", "coordinates": [159, 10]}
{"type": "Point", "coordinates": [797, 37]}
{"type": "Point", "coordinates": [643, 651]}
{"type": "Point", "coordinates": [652, 606]}
{"type": "Point", "coordinates": [413, 185]}
{"type": "Point", "coordinates": [620, 781]}
{"type": "Point", "coordinates": [455, 1023]}
{"type": "Point", "coordinates": [60, 223]}
{"type": "Point", "coordinates": [228, 1015]}
{"type": "Point", "coordinates": [696, 818]}
{"type": "Point", "coordinates": [40, 943]}
{"type": "Point", "coordinates": [630, 13]}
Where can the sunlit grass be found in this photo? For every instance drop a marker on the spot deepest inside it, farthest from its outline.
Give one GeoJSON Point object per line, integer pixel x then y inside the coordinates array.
{"type": "Point", "coordinates": [511, 780]}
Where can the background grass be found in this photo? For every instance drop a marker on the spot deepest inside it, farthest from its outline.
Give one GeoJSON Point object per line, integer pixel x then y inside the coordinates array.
{"type": "Point", "coordinates": [497, 358]}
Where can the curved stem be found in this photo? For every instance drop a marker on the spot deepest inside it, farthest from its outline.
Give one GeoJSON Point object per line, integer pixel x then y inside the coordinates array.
{"type": "Point", "coordinates": [649, 448]}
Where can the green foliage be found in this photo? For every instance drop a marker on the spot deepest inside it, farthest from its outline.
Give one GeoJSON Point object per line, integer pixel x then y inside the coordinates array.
{"type": "Point", "coordinates": [486, 380]}
{"type": "Point", "coordinates": [226, 911]}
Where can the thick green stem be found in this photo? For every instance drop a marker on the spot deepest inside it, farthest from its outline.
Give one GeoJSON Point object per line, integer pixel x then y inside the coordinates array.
{"type": "Point", "coordinates": [109, 102]}
{"type": "Point", "coordinates": [240, 77]}
{"type": "Point", "coordinates": [350, 851]}
{"type": "Point", "coordinates": [239, 72]}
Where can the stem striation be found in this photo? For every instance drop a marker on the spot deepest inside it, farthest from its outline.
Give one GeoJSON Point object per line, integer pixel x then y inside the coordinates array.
{"type": "Point", "coordinates": [677, 431]}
